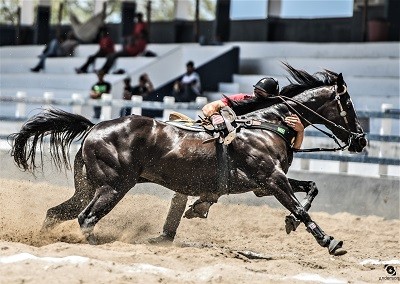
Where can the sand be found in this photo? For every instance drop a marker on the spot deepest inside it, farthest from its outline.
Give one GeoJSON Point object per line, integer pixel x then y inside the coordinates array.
{"type": "Point", "coordinates": [235, 244]}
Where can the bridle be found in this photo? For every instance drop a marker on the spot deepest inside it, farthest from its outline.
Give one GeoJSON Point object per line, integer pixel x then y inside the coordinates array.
{"type": "Point", "coordinates": [342, 113]}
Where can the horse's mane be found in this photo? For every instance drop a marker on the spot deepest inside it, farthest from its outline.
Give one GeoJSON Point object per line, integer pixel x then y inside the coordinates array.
{"type": "Point", "coordinates": [300, 81]}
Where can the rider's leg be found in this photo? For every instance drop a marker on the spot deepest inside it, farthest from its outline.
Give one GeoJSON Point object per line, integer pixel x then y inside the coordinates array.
{"type": "Point", "coordinates": [176, 209]}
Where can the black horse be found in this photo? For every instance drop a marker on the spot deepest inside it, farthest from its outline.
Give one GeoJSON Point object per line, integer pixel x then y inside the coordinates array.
{"type": "Point", "coordinates": [117, 154]}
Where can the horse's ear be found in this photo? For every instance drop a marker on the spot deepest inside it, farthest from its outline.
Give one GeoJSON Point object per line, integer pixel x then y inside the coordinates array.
{"type": "Point", "coordinates": [339, 80]}
{"type": "Point", "coordinates": [340, 83]}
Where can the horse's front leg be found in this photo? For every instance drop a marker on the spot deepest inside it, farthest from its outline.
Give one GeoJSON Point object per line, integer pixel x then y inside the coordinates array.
{"type": "Point", "coordinates": [280, 186]}
{"type": "Point", "coordinates": [291, 223]}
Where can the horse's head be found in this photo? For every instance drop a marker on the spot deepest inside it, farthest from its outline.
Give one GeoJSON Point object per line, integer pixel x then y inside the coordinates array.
{"type": "Point", "coordinates": [326, 94]}
{"type": "Point", "coordinates": [340, 110]}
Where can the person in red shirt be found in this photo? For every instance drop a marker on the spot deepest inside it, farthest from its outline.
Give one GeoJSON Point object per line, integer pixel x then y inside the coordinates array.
{"type": "Point", "coordinates": [134, 47]}
{"type": "Point", "coordinates": [139, 26]}
{"type": "Point", "coordinates": [106, 47]}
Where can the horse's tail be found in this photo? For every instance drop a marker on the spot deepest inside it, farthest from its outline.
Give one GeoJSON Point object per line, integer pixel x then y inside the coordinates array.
{"type": "Point", "coordinates": [61, 126]}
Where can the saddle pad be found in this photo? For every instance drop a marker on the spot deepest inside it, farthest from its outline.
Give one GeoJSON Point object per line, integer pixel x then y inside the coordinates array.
{"type": "Point", "coordinates": [187, 125]}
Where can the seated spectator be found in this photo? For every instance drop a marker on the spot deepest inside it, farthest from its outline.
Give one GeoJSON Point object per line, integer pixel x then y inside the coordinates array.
{"type": "Point", "coordinates": [98, 89]}
{"type": "Point", "coordinates": [106, 47]}
{"type": "Point", "coordinates": [140, 26]}
{"type": "Point", "coordinates": [144, 88]}
{"type": "Point", "coordinates": [59, 47]}
{"type": "Point", "coordinates": [133, 48]}
{"type": "Point", "coordinates": [189, 87]}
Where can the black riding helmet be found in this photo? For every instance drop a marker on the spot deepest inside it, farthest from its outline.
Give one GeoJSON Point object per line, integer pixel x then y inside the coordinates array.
{"type": "Point", "coordinates": [268, 85]}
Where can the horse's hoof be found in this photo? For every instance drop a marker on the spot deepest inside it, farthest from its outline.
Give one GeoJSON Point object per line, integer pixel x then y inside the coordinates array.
{"type": "Point", "coordinates": [291, 224]}
{"type": "Point", "coordinates": [49, 224]}
{"type": "Point", "coordinates": [335, 246]}
{"type": "Point", "coordinates": [92, 240]}
{"type": "Point", "coordinates": [163, 239]}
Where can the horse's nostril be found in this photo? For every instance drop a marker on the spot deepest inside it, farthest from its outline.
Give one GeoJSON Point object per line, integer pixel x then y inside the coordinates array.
{"type": "Point", "coordinates": [363, 142]}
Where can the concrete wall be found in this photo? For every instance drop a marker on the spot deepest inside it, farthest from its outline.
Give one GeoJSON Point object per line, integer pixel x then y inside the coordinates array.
{"type": "Point", "coordinates": [341, 193]}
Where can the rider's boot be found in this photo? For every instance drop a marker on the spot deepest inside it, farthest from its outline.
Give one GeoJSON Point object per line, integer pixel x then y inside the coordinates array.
{"type": "Point", "coordinates": [199, 209]}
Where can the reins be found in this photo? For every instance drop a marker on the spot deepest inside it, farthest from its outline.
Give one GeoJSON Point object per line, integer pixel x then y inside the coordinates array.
{"type": "Point", "coordinates": [333, 137]}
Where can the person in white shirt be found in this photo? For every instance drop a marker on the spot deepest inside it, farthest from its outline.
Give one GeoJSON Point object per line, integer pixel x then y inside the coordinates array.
{"type": "Point", "coordinates": [189, 87]}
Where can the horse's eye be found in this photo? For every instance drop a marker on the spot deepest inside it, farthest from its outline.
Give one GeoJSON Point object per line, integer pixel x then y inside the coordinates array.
{"type": "Point", "coordinates": [348, 103]}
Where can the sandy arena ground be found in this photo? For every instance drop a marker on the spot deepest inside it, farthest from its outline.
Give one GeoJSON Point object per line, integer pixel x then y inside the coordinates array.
{"type": "Point", "coordinates": [236, 244]}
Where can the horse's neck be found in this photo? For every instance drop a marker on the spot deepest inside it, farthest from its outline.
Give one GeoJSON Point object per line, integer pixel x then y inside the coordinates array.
{"type": "Point", "coordinates": [300, 104]}
{"type": "Point", "coordinates": [311, 101]}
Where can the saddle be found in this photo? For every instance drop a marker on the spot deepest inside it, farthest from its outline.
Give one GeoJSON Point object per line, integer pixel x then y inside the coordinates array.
{"type": "Point", "coordinates": [223, 135]}
{"type": "Point", "coordinates": [231, 126]}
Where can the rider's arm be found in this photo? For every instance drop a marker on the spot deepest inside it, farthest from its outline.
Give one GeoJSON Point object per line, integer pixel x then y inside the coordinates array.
{"type": "Point", "coordinates": [294, 122]}
{"type": "Point", "coordinates": [212, 108]}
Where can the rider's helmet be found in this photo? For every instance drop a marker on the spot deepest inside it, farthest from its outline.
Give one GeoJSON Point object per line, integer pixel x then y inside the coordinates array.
{"type": "Point", "coordinates": [268, 87]}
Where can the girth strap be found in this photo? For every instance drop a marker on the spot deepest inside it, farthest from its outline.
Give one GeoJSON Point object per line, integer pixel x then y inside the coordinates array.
{"type": "Point", "coordinates": [223, 167]}
{"type": "Point", "coordinates": [286, 133]}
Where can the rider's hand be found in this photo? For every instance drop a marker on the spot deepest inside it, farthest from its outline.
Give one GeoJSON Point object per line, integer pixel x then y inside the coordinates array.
{"type": "Point", "coordinates": [218, 122]}
{"type": "Point", "coordinates": [294, 122]}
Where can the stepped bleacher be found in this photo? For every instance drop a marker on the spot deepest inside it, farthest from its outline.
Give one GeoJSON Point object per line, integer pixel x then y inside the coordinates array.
{"type": "Point", "coordinates": [371, 71]}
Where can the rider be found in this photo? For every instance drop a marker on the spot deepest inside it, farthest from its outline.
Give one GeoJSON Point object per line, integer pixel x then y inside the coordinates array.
{"type": "Point", "coordinates": [266, 87]}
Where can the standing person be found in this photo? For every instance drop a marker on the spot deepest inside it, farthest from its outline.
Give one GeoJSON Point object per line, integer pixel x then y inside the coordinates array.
{"type": "Point", "coordinates": [106, 47]}
{"type": "Point", "coordinates": [144, 88]}
{"type": "Point", "coordinates": [189, 87]}
{"type": "Point", "coordinates": [133, 48]}
{"type": "Point", "coordinates": [98, 89]}
{"type": "Point", "coordinates": [60, 46]}
{"type": "Point", "coordinates": [266, 87]}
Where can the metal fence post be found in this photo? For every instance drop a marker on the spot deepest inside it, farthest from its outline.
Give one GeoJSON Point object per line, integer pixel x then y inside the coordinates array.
{"type": "Point", "coordinates": [138, 109]}
{"type": "Point", "coordinates": [20, 111]}
{"type": "Point", "coordinates": [48, 96]}
{"type": "Point", "coordinates": [386, 129]}
{"type": "Point", "coordinates": [168, 106]}
{"type": "Point", "coordinates": [106, 108]}
{"type": "Point", "coordinates": [77, 102]}
{"type": "Point", "coordinates": [200, 102]}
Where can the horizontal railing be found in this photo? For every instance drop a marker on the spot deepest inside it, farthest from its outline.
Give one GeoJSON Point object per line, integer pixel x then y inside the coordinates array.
{"type": "Point", "coordinates": [168, 105]}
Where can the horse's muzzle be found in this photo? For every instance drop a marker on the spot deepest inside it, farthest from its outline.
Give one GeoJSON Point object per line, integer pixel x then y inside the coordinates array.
{"type": "Point", "coordinates": [358, 143]}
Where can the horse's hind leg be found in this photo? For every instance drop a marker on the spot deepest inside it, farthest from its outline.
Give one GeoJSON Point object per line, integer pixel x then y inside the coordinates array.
{"type": "Point", "coordinates": [71, 208]}
{"type": "Point", "coordinates": [291, 223]}
{"type": "Point", "coordinates": [104, 200]}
